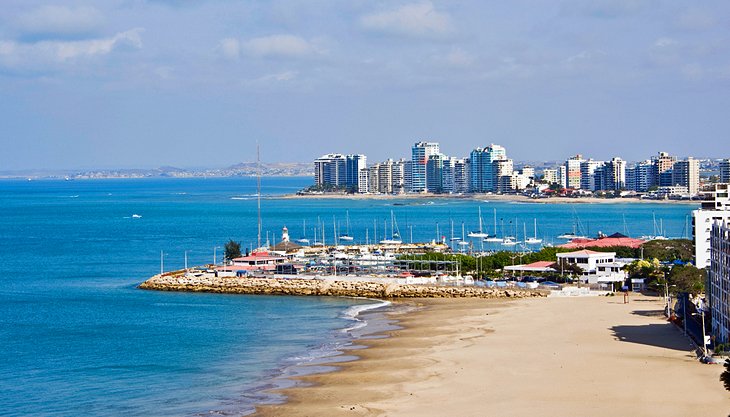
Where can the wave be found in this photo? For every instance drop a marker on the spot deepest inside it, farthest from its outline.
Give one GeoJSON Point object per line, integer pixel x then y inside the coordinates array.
{"type": "Point", "coordinates": [353, 313]}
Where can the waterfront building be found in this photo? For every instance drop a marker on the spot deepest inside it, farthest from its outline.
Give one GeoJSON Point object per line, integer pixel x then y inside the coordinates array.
{"type": "Point", "coordinates": [420, 152]}
{"type": "Point", "coordinates": [663, 164]}
{"type": "Point", "coordinates": [597, 267]}
{"type": "Point", "coordinates": [587, 169]}
{"type": "Point", "coordinates": [483, 173]}
{"type": "Point", "coordinates": [398, 176]}
{"type": "Point", "coordinates": [640, 177]}
{"type": "Point", "coordinates": [718, 277]}
{"type": "Point", "coordinates": [550, 176]}
{"type": "Point", "coordinates": [448, 174]}
{"type": "Point", "coordinates": [573, 171]}
{"type": "Point", "coordinates": [363, 181]}
{"type": "Point", "coordinates": [725, 170]}
{"type": "Point", "coordinates": [435, 173]}
{"type": "Point", "coordinates": [503, 172]}
{"type": "Point", "coordinates": [687, 174]}
{"type": "Point", "coordinates": [330, 170]}
{"type": "Point", "coordinates": [562, 176]}
{"type": "Point", "coordinates": [374, 178]}
{"type": "Point", "coordinates": [385, 177]}
{"type": "Point", "coordinates": [353, 165]}
{"type": "Point", "coordinates": [528, 171]}
{"type": "Point", "coordinates": [407, 175]}
{"type": "Point", "coordinates": [611, 176]}
{"type": "Point", "coordinates": [461, 175]}
{"type": "Point", "coordinates": [715, 208]}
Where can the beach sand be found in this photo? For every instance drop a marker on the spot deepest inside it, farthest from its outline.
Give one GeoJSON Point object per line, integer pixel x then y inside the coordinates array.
{"type": "Point", "coordinates": [581, 356]}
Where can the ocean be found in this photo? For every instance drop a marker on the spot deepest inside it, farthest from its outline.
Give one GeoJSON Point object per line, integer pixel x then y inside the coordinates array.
{"type": "Point", "coordinates": [78, 337]}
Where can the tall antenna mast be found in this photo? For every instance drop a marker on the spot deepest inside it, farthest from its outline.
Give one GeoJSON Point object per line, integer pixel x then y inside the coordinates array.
{"type": "Point", "coordinates": [258, 188]}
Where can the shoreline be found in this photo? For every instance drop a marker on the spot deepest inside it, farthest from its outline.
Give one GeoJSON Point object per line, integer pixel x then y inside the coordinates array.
{"type": "Point", "coordinates": [486, 198]}
{"type": "Point", "coordinates": [521, 357]}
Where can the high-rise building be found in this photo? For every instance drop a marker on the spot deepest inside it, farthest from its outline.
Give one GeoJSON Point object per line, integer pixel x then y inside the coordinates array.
{"type": "Point", "coordinates": [363, 181]}
{"type": "Point", "coordinates": [587, 168]}
{"type": "Point", "coordinates": [573, 171]}
{"type": "Point", "coordinates": [503, 170]}
{"type": "Point", "coordinates": [716, 208]}
{"type": "Point", "coordinates": [353, 165]}
{"type": "Point", "coordinates": [563, 176]}
{"type": "Point", "coordinates": [718, 278]}
{"type": "Point", "coordinates": [483, 176]}
{"type": "Point", "coordinates": [663, 164]}
{"type": "Point", "coordinates": [461, 176]}
{"type": "Point", "coordinates": [399, 175]}
{"type": "Point", "coordinates": [330, 170]}
{"type": "Point", "coordinates": [420, 152]}
{"type": "Point", "coordinates": [435, 174]}
{"type": "Point", "coordinates": [550, 176]}
{"type": "Point", "coordinates": [640, 177]}
{"type": "Point", "coordinates": [725, 170]}
{"type": "Point", "coordinates": [611, 176]}
{"type": "Point", "coordinates": [687, 174]}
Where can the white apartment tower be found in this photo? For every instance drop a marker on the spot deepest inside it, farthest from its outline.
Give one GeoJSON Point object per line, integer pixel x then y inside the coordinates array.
{"type": "Point", "coordinates": [718, 277]}
{"type": "Point", "coordinates": [420, 152]}
{"type": "Point", "coordinates": [715, 209]}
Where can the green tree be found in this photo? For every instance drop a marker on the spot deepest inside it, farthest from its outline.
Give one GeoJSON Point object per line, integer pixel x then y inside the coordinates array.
{"type": "Point", "coordinates": [687, 278]}
{"type": "Point", "coordinates": [232, 249]}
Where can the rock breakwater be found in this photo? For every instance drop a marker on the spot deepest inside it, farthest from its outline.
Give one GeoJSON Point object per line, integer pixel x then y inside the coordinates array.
{"type": "Point", "coordinates": [316, 287]}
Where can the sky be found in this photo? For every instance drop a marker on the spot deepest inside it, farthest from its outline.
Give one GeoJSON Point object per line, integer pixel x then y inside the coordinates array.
{"type": "Point", "coordinates": [197, 83]}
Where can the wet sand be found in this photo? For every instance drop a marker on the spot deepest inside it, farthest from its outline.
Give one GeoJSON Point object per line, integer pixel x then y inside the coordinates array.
{"type": "Point", "coordinates": [549, 357]}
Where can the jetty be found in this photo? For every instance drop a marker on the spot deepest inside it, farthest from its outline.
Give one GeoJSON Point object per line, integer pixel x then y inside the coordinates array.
{"type": "Point", "coordinates": [314, 286]}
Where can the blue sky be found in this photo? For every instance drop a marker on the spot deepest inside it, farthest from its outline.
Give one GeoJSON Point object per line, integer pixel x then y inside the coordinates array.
{"type": "Point", "coordinates": [135, 83]}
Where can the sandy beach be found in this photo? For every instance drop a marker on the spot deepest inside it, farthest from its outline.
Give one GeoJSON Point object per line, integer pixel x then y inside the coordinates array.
{"type": "Point", "coordinates": [542, 357]}
{"type": "Point", "coordinates": [486, 198]}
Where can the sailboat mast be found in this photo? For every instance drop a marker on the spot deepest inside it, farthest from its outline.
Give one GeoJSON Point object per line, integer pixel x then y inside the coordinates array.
{"type": "Point", "coordinates": [258, 191]}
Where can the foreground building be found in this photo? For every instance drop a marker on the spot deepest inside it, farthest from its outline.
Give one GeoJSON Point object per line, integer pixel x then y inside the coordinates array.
{"type": "Point", "coordinates": [718, 277]}
{"type": "Point", "coordinates": [597, 267]}
{"type": "Point", "coordinates": [715, 209]}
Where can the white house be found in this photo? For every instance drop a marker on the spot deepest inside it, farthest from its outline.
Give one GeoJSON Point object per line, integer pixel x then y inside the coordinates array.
{"type": "Point", "coordinates": [598, 267]}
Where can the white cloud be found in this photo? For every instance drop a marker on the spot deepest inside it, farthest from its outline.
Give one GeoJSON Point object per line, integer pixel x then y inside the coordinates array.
{"type": "Point", "coordinates": [275, 46]}
{"type": "Point", "coordinates": [41, 55]}
{"type": "Point", "coordinates": [418, 20]}
{"type": "Point", "coordinates": [60, 21]}
{"type": "Point", "coordinates": [230, 47]}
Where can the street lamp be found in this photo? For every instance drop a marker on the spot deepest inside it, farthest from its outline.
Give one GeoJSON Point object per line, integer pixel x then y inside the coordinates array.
{"type": "Point", "coordinates": [704, 335]}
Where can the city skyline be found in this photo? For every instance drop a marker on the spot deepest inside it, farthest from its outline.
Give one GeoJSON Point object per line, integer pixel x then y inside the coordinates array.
{"type": "Point", "coordinates": [133, 84]}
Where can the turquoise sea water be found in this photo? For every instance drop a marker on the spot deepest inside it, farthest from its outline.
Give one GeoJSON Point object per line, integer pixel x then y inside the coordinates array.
{"type": "Point", "coordinates": [77, 337]}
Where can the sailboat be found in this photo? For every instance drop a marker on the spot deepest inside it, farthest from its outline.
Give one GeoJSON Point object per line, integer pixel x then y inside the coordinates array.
{"type": "Point", "coordinates": [463, 241]}
{"type": "Point", "coordinates": [479, 233]}
{"type": "Point", "coordinates": [658, 230]}
{"type": "Point", "coordinates": [304, 239]}
{"type": "Point", "coordinates": [394, 232]}
{"type": "Point", "coordinates": [533, 240]}
{"type": "Point", "coordinates": [346, 237]}
{"type": "Point", "coordinates": [453, 238]}
{"type": "Point", "coordinates": [494, 238]}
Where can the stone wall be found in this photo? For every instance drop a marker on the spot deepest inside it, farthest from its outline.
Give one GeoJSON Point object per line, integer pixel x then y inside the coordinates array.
{"type": "Point", "coordinates": [277, 286]}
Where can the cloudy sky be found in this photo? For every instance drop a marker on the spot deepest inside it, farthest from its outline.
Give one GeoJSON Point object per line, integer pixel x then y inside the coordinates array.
{"type": "Point", "coordinates": [143, 83]}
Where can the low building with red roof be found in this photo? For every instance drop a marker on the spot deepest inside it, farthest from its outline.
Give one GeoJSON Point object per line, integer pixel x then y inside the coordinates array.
{"type": "Point", "coordinates": [616, 239]}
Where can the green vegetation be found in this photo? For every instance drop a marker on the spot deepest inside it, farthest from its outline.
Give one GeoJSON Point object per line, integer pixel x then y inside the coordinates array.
{"type": "Point", "coordinates": [669, 250]}
{"type": "Point", "coordinates": [491, 265]}
{"type": "Point", "coordinates": [232, 250]}
{"type": "Point", "coordinates": [328, 188]}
